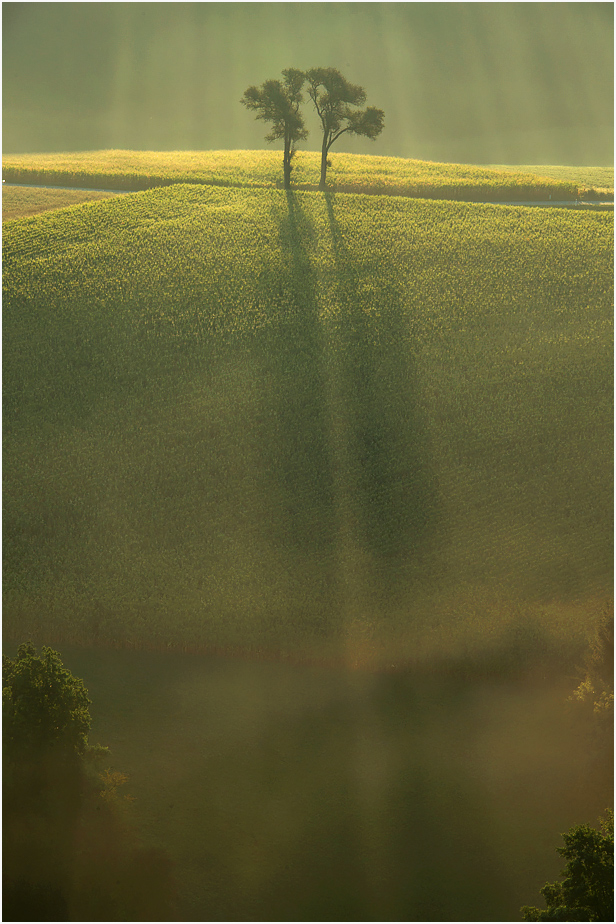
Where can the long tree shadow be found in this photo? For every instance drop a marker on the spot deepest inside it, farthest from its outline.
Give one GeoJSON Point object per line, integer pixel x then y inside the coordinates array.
{"type": "Point", "coordinates": [396, 496]}
{"type": "Point", "coordinates": [351, 496]}
{"type": "Point", "coordinates": [295, 438]}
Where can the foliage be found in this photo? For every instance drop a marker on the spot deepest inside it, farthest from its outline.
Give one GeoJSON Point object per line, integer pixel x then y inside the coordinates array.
{"type": "Point", "coordinates": [336, 101]}
{"type": "Point", "coordinates": [70, 848]}
{"type": "Point", "coordinates": [586, 889]}
{"type": "Point", "coordinates": [111, 780]}
{"type": "Point", "coordinates": [279, 104]}
{"type": "Point", "coordinates": [595, 693]}
{"type": "Point", "coordinates": [138, 170]}
{"type": "Point", "coordinates": [43, 706]}
{"type": "Point", "coordinates": [240, 418]}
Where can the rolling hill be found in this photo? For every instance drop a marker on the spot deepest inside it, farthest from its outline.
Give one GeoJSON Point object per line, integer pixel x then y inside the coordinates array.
{"type": "Point", "coordinates": [313, 424]}
{"type": "Point", "coordinates": [138, 170]}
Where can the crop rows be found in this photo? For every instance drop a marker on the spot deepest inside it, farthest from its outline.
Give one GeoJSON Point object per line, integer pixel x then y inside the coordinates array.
{"type": "Point", "coordinates": [21, 202]}
{"type": "Point", "coordinates": [592, 182]}
{"type": "Point", "coordinates": [134, 170]}
{"type": "Point", "coordinates": [236, 418]}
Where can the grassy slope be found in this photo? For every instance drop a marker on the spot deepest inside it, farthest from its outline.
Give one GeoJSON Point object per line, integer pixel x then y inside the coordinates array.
{"type": "Point", "coordinates": [19, 203]}
{"type": "Point", "coordinates": [348, 173]}
{"type": "Point", "coordinates": [598, 178]}
{"type": "Point", "coordinates": [237, 418]}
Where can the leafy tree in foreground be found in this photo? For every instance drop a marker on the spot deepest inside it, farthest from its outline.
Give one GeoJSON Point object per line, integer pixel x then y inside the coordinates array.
{"type": "Point", "coordinates": [586, 889]}
{"type": "Point", "coordinates": [69, 848]}
{"type": "Point", "coordinates": [334, 99]}
{"type": "Point", "coordinates": [278, 102]}
{"type": "Point", "coordinates": [44, 707]}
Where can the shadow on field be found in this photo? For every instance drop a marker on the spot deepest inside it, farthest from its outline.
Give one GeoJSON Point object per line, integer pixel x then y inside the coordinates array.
{"type": "Point", "coordinates": [394, 491]}
{"type": "Point", "coordinates": [353, 499]}
{"type": "Point", "coordinates": [294, 432]}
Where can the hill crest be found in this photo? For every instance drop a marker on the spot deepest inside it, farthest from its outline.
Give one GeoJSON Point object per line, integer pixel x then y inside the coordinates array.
{"type": "Point", "coordinates": [368, 174]}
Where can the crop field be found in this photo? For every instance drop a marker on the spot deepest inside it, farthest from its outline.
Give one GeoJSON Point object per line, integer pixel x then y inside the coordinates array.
{"type": "Point", "coordinates": [138, 170]}
{"type": "Point", "coordinates": [600, 179]}
{"type": "Point", "coordinates": [243, 419]}
{"type": "Point", "coordinates": [19, 203]}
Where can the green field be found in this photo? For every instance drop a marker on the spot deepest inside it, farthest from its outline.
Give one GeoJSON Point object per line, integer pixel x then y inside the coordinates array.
{"type": "Point", "coordinates": [22, 202]}
{"type": "Point", "coordinates": [600, 179]}
{"type": "Point", "coordinates": [328, 425]}
{"type": "Point", "coordinates": [137, 170]}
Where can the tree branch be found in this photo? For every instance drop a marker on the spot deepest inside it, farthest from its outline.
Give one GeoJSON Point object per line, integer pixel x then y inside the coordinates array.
{"type": "Point", "coordinates": [341, 132]}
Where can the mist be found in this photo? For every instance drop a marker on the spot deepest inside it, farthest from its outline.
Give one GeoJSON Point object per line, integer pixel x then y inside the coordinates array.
{"type": "Point", "coordinates": [518, 83]}
{"type": "Point", "coordinates": [311, 489]}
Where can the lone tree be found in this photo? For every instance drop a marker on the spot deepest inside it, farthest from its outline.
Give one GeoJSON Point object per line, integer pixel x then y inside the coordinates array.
{"type": "Point", "coordinates": [586, 889]}
{"type": "Point", "coordinates": [278, 102]}
{"type": "Point", "coordinates": [334, 98]}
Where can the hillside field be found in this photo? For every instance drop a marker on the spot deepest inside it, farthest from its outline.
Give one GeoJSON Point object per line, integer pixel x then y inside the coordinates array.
{"type": "Point", "coordinates": [597, 180]}
{"type": "Point", "coordinates": [22, 202]}
{"type": "Point", "coordinates": [138, 170]}
{"type": "Point", "coordinates": [323, 425]}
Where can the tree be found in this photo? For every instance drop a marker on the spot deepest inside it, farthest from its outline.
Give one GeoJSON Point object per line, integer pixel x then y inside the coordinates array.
{"type": "Point", "coordinates": [278, 102]}
{"type": "Point", "coordinates": [586, 889]}
{"type": "Point", "coordinates": [44, 708]}
{"type": "Point", "coordinates": [333, 97]}
{"type": "Point", "coordinates": [595, 693]}
{"type": "Point", "coordinates": [71, 852]}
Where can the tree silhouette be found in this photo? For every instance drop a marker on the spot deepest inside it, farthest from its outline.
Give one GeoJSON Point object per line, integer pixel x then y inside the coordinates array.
{"type": "Point", "coordinates": [334, 98]}
{"type": "Point", "coordinates": [278, 102]}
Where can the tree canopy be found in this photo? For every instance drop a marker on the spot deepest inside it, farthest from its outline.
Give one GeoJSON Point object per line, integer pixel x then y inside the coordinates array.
{"type": "Point", "coordinates": [336, 101]}
{"type": "Point", "coordinates": [279, 102]}
{"type": "Point", "coordinates": [43, 706]}
{"type": "Point", "coordinates": [71, 851]}
{"type": "Point", "coordinates": [586, 889]}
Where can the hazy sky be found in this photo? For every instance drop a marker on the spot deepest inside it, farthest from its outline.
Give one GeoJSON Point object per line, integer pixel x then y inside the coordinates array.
{"type": "Point", "coordinates": [469, 82]}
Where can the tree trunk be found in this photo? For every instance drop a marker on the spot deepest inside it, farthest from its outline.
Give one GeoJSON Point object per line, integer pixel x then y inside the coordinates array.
{"type": "Point", "coordinates": [286, 163]}
{"type": "Point", "coordinates": [324, 151]}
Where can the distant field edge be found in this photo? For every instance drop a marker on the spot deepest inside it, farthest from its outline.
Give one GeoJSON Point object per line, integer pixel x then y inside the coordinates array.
{"type": "Point", "coordinates": [134, 171]}
{"type": "Point", "coordinates": [522, 192]}
{"type": "Point", "coordinates": [114, 182]}
{"type": "Point", "coordinates": [487, 661]}
{"type": "Point", "coordinates": [586, 203]}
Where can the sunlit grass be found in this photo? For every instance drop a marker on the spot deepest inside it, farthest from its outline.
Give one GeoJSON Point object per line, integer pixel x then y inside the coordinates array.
{"type": "Point", "coordinates": [331, 426]}
{"type": "Point", "coordinates": [20, 203]}
{"type": "Point", "coordinates": [348, 173]}
{"type": "Point", "coordinates": [600, 179]}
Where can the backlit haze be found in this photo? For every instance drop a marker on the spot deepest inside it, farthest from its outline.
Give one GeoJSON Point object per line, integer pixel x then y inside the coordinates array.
{"type": "Point", "coordinates": [516, 83]}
